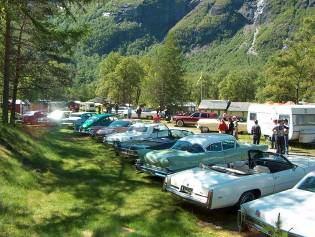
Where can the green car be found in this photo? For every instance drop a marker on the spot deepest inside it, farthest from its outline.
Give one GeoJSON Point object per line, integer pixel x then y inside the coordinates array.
{"type": "Point", "coordinates": [190, 151]}
{"type": "Point", "coordinates": [97, 121]}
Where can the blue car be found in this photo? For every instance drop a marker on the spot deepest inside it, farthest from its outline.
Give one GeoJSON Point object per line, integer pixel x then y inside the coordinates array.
{"type": "Point", "coordinates": [98, 120]}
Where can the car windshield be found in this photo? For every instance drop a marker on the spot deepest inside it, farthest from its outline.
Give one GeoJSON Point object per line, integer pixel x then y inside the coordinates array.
{"type": "Point", "coordinates": [119, 123]}
{"type": "Point", "coordinates": [223, 169]}
{"type": "Point", "coordinates": [29, 113]}
{"type": "Point", "coordinates": [187, 146]}
{"type": "Point", "coordinates": [142, 129]}
{"type": "Point", "coordinates": [308, 184]}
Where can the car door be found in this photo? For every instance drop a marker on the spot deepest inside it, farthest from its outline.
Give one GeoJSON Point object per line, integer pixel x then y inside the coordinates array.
{"type": "Point", "coordinates": [230, 151]}
{"type": "Point", "coordinates": [214, 154]}
{"type": "Point", "coordinates": [286, 179]}
{"type": "Point", "coordinates": [193, 119]}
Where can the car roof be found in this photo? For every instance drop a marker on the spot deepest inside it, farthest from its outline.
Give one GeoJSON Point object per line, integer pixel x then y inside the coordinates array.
{"type": "Point", "coordinates": [104, 115]}
{"type": "Point", "coordinates": [207, 138]}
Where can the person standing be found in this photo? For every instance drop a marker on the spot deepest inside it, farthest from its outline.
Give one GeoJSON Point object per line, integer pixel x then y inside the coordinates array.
{"type": "Point", "coordinates": [231, 126]}
{"type": "Point", "coordinates": [139, 111]}
{"type": "Point", "coordinates": [235, 129]}
{"type": "Point", "coordinates": [256, 132]}
{"type": "Point", "coordinates": [129, 111]}
{"type": "Point", "coordinates": [116, 108]}
{"type": "Point", "coordinates": [274, 136]}
{"type": "Point", "coordinates": [222, 127]}
{"type": "Point", "coordinates": [279, 137]}
{"type": "Point", "coordinates": [286, 136]}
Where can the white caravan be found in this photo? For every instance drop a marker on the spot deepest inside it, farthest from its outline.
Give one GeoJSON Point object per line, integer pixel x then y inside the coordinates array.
{"type": "Point", "coordinates": [301, 120]}
{"type": "Point", "coordinates": [87, 107]}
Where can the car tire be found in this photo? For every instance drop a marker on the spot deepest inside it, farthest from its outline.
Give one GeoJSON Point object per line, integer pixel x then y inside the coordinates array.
{"type": "Point", "coordinates": [180, 123]}
{"type": "Point", "coordinates": [204, 130]}
{"type": "Point", "coordinates": [246, 197]}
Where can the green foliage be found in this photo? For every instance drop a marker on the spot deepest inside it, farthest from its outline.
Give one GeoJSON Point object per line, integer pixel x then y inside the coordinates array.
{"type": "Point", "coordinates": [290, 74]}
{"type": "Point", "coordinates": [164, 83]}
{"type": "Point", "coordinates": [238, 86]}
{"type": "Point", "coordinates": [120, 79]}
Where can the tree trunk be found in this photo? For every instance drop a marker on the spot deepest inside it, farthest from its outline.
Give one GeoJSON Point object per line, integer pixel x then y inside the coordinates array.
{"type": "Point", "coordinates": [6, 67]}
{"type": "Point", "coordinates": [17, 74]}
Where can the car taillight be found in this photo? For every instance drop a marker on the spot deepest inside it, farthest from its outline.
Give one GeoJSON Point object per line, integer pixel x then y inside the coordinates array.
{"type": "Point", "coordinates": [210, 196]}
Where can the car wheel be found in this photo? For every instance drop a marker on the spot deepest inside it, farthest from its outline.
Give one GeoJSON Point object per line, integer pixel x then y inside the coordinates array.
{"type": "Point", "coordinates": [204, 130]}
{"type": "Point", "coordinates": [180, 123]}
{"type": "Point", "coordinates": [246, 197]}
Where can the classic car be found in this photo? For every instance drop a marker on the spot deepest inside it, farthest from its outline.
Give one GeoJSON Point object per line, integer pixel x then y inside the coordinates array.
{"type": "Point", "coordinates": [31, 117]}
{"type": "Point", "coordinates": [189, 151]}
{"type": "Point", "coordinates": [57, 116]}
{"type": "Point", "coordinates": [85, 116]}
{"type": "Point", "coordinates": [291, 215]}
{"type": "Point", "coordinates": [117, 126]}
{"type": "Point", "coordinates": [145, 114]}
{"type": "Point", "coordinates": [98, 120]}
{"type": "Point", "coordinates": [207, 125]}
{"type": "Point", "coordinates": [138, 131]}
{"type": "Point", "coordinates": [234, 183]}
{"type": "Point", "coordinates": [164, 139]}
{"type": "Point", "coordinates": [75, 116]}
{"type": "Point", "coordinates": [182, 120]}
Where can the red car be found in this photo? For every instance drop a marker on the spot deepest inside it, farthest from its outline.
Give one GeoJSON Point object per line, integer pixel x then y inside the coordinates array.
{"type": "Point", "coordinates": [182, 120]}
{"type": "Point", "coordinates": [32, 117]}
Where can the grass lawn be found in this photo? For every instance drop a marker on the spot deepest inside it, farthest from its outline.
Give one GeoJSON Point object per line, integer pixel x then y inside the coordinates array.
{"type": "Point", "coordinates": [55, 183]}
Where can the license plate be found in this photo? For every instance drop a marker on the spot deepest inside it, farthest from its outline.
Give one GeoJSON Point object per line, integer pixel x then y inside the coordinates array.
{"type": "Point", "coordinates": [185, 189]}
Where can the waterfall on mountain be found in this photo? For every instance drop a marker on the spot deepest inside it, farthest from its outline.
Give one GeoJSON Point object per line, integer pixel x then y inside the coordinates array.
{"type": "Point", "coordinates": [259, 11]}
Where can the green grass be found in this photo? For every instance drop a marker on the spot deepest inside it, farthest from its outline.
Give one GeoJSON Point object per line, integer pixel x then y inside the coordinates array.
{"type": "Point", "coordinates": [54, 183]}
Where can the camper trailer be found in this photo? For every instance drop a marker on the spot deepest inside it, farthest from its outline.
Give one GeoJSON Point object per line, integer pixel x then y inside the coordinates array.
{"type": "Point", "coordinates": [301, 120]}
{"type": "Point", "coordinates": [87, 107]}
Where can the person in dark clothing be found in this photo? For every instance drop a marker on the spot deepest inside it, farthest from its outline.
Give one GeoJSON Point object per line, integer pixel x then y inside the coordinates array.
{"type": "Point", "coordinates": [286, 136]}
{"type": "Point", "coordinates": [167, 114]}
{"type": "Point", "coordinates": [256, 132]}
{"type": "Point", "coordinates": [274, 136]}
{"type": "Point", "coordinates": [116, 108]}
{"type": "Point", "coordinates": [231, 126]}
{"type": "Point", "coordinates": [139, 111]}
{"type": "Point", "coordinates": [279, 131]}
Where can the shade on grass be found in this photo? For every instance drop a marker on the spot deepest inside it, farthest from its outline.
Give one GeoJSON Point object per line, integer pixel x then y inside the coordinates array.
{"type": "Point", "coordinates": [55, 183]}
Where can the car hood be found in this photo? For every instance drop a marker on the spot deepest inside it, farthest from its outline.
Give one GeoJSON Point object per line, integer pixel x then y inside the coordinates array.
{"type": "Point", "coordinates": [126, 136]}
{"type": "Point", "coordinates": [147, 143]}
{"type": "Point", "coordinates": [296, 208]}
{"type": "Point", "coordinates": [302, 161]}
{"type": "Point", "coordinates": [157, 158]}
{"type": "Point", "coordinates": [200, 178]}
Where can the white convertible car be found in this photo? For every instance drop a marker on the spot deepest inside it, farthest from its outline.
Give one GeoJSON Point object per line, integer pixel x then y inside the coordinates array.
{"type": "Point", "coordinates": [238, 182]}
{"type": "Point", "coordinates": [289, 213]}
{"type": "Point", "coordinates": [138, 131]}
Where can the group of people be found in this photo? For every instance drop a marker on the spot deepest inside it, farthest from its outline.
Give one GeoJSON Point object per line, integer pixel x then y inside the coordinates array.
{"type": "Point", "coordinates": [228, 125]}
{"type": "Point", "coordinates": [280, 135]}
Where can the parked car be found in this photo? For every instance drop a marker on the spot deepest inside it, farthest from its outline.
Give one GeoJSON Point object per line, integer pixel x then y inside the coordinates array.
{"type": "Point", "coordinates": [56, 116]}
{"type": "Point", "coordinates": [98, 120]}
{"type": "Point", "coordinates": [145, 114]}
{"type": "Point", "coordinates": [237, 182]}
{"type": "Point", "coordinates": [208, 125]}
{"type": "Point", "coordinates": [138, 131]}
{"type": "Point", "coordinates": [117, 126]}
{"type": "Point", "coordinates": [75, 116]}
{"type": "Point", "coordinates": [189, 151]}
{"type": "Point", "coordinates": [85, 116]}
{"type": "Point", "coordinates": [183, 120]}
{"type": "Point", "coordinates": [164, 139]}
{"type": "Point", "coordinates": [31, 117]}
{"type": "Point", "coordinates": [293, 211]}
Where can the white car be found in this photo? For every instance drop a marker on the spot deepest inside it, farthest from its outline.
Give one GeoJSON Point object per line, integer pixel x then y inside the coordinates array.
{"type": "Point", "coordinates": [74, 117]}
{"type": "Point", "coordinates": [138, 131]}
{"type": "Point", "coordinates": [290, 213]}
{"type": "Point", "coordinates": [145, 114]}
{"type": "Point", "coordinates": [207, 125]}
{"type": "Point", "coordinates": [238, 182]}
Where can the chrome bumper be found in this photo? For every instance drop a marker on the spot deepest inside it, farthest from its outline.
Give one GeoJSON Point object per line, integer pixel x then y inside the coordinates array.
{"type": "Point", "coordinates": [187, 197]}
{"type": "Point", "coordinates": [152, 171]}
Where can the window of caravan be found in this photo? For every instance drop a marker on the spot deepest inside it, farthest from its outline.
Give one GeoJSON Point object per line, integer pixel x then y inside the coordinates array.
{"type": "Point", "coordinates": [304, 119]}
{"type": "Point", "coordinates": [252, 116]}
{"type": "Point", "coordinates": [284, 116]}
